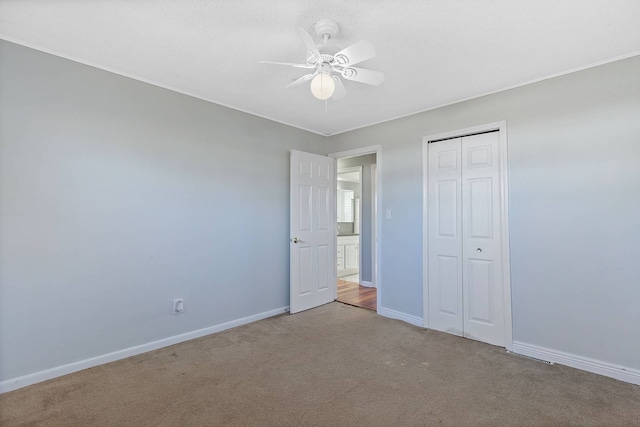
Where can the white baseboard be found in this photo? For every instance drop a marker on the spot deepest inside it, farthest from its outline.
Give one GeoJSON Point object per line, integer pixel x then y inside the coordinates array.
{"type": "Point", "coordinates": [349, 272]}
{"type": "Point", "coordinates": [366, 284]}
{"type": "Point", "coordinates": [387, 312]}
{"type": "Point", "coordinates": [579, 362]}
{"type": "Point", "coordinates": [47, 374]}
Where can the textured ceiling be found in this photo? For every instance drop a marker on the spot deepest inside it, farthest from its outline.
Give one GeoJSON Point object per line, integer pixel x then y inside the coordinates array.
{"type": "Point", "coordinates": [432, 52]}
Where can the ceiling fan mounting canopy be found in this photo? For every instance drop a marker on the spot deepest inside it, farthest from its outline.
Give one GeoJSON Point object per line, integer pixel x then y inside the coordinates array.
{"type": "Point", "coordinates": [339, 64]}
{"type": "Point", "coordinates": [326, 29]}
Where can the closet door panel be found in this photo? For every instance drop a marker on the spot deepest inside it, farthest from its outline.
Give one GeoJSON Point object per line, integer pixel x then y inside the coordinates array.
{"type": "Point", "coordinates": [445, 238]}
{"type": "Point", "coordinates": [481, 241]}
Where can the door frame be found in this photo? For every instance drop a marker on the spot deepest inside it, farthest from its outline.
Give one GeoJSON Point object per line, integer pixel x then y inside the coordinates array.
{"type": "Point", "coordinates": [377, 150]}
{"type": "Point", "coordinates": [359, 170]}
{"type": "Point", "coordinates": [374, 220]}
{"type": "Point", "coordinates": [501, 127]}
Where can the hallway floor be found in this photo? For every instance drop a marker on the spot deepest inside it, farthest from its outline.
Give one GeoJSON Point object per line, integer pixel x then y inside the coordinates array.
{"type": "Point", "coordinates": [353, 294]}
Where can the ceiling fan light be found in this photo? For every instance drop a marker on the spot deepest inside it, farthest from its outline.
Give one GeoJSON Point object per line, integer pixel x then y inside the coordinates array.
{"type": "Point", "coordinates": [322, 86]}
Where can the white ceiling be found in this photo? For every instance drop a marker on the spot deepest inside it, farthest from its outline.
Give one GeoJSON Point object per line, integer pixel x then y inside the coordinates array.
{"type": "Point", "coordinates": [433, 52]}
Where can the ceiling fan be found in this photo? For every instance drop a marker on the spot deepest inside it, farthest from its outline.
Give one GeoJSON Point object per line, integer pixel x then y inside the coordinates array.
{"type": "Point", "coordinates": [327, 68]}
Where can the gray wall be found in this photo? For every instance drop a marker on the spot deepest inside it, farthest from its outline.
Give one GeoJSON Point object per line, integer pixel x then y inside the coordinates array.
{"type": "Point", "coordinates": [366, 245]}
{"type": "Point", "coordinates": [574, 169]}
{"type": "Point", "coordinates": [116, 197]}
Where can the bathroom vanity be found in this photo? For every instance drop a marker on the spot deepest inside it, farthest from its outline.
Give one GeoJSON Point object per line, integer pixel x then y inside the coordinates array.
{"type": "Point", "coordinates": [348, 254]}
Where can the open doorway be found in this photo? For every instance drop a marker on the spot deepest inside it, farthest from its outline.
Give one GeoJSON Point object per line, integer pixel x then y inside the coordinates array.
{"type": "Point", "coordinates": [356, 182]}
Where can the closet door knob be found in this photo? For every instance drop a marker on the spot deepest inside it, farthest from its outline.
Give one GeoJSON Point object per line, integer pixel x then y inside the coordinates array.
{"type": "Point", "coordinates": [478, 250]}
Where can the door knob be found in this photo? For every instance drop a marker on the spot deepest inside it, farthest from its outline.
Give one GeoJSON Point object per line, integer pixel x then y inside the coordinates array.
{"type": "Point", "coordinates": [295, 240]}
{"type": "Point", "coordinates": [478, 250]}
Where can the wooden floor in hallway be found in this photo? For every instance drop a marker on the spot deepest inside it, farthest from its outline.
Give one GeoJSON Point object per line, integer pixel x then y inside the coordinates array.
{"type": "Point", "coordinates": [360, 296]}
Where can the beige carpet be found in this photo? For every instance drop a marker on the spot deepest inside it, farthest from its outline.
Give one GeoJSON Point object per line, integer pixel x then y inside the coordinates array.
{"type": "Point", "coordinates": [332, 366]}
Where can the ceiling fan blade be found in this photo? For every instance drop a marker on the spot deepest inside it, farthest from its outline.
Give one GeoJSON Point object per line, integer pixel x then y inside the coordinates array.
{"type": "Point", "coordinates": [355, 54]}
{"type": "Point", "coordinates": [300, 81]}
{"type": "Point", "coordinates": [340, 90]}
{"type": "Point", "coordinates": [311, 46]}
{"type": "Point", "coordinates": [362, 75]}
{"type": "Point", "coordinates": [287, 63]}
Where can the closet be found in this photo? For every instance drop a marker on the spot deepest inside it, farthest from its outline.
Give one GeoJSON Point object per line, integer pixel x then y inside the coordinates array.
{"type": "Point", "coordinates": [465, 271]}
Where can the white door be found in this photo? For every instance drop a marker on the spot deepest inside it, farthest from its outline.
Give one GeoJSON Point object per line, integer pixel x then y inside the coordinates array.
{"type": "Point", "coordinates": [445, 237]}
{"type": "Point", "coordinates": [481, 241]}
{"type": "Point", "coordinates": [312, 231]}
{"type": "Point", "coordinates": [465, 261]}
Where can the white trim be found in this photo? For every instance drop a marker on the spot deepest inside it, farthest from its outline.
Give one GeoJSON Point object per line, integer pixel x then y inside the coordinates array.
{"type": "Point", "coordinates": [153, 83]}
{"type": "Point", "coordinates": [352, 169]}
{"type": "Point", "coordinates": [579, 362]}
{"type": "Point", "coordinates": [348, 272]}
{"type": "Point", "coordinates": [425, 232]}
{"type": "Point", "coordinates": [393, 314]}
{"type": "Point", "coordinates": [515, 86]}
{"type": "Point", "coordinates": [58, 371]}
{"type": "Point", "coordinates": [360, 168]}
{"type": "Point", "coordinates": [504, 220]}
{"type": "Point", "coordinates": [325, 134]}
{"type": "Point", "coordinates": [506, 234]}
{"type": "Point", "coordinates": [335, 227]}
{"type": "Point", "coordinates": [371, 149]}
{"type": "Point", "coordinates": [377, 150]}
{"type": "Point", "coordinates": [374, 220]}
{"type": "Point", "coordinates": [366, 284]}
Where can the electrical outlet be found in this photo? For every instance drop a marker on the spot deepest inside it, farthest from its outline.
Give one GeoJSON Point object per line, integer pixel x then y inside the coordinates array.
{"type": "Point", "coordinates": [178, 306]}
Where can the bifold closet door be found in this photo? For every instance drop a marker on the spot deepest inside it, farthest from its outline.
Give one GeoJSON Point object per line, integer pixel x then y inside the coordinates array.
{"type": "Point", "coordinates": [465, 266]}
{"type": "Point", "coordinates": [482, 289]}
{"type": "Point", "coordinates": [445, 236]}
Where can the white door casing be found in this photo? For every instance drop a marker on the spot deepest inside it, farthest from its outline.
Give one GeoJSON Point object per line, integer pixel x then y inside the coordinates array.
{"type": "Point", "coordinates": [312, 231]}
{"type": "Point", "coordinates": [378, 269]}
{"type": "Point", "coordinates": [467, 285]}
{"type": "Point", "coordinates": [374, 216]}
